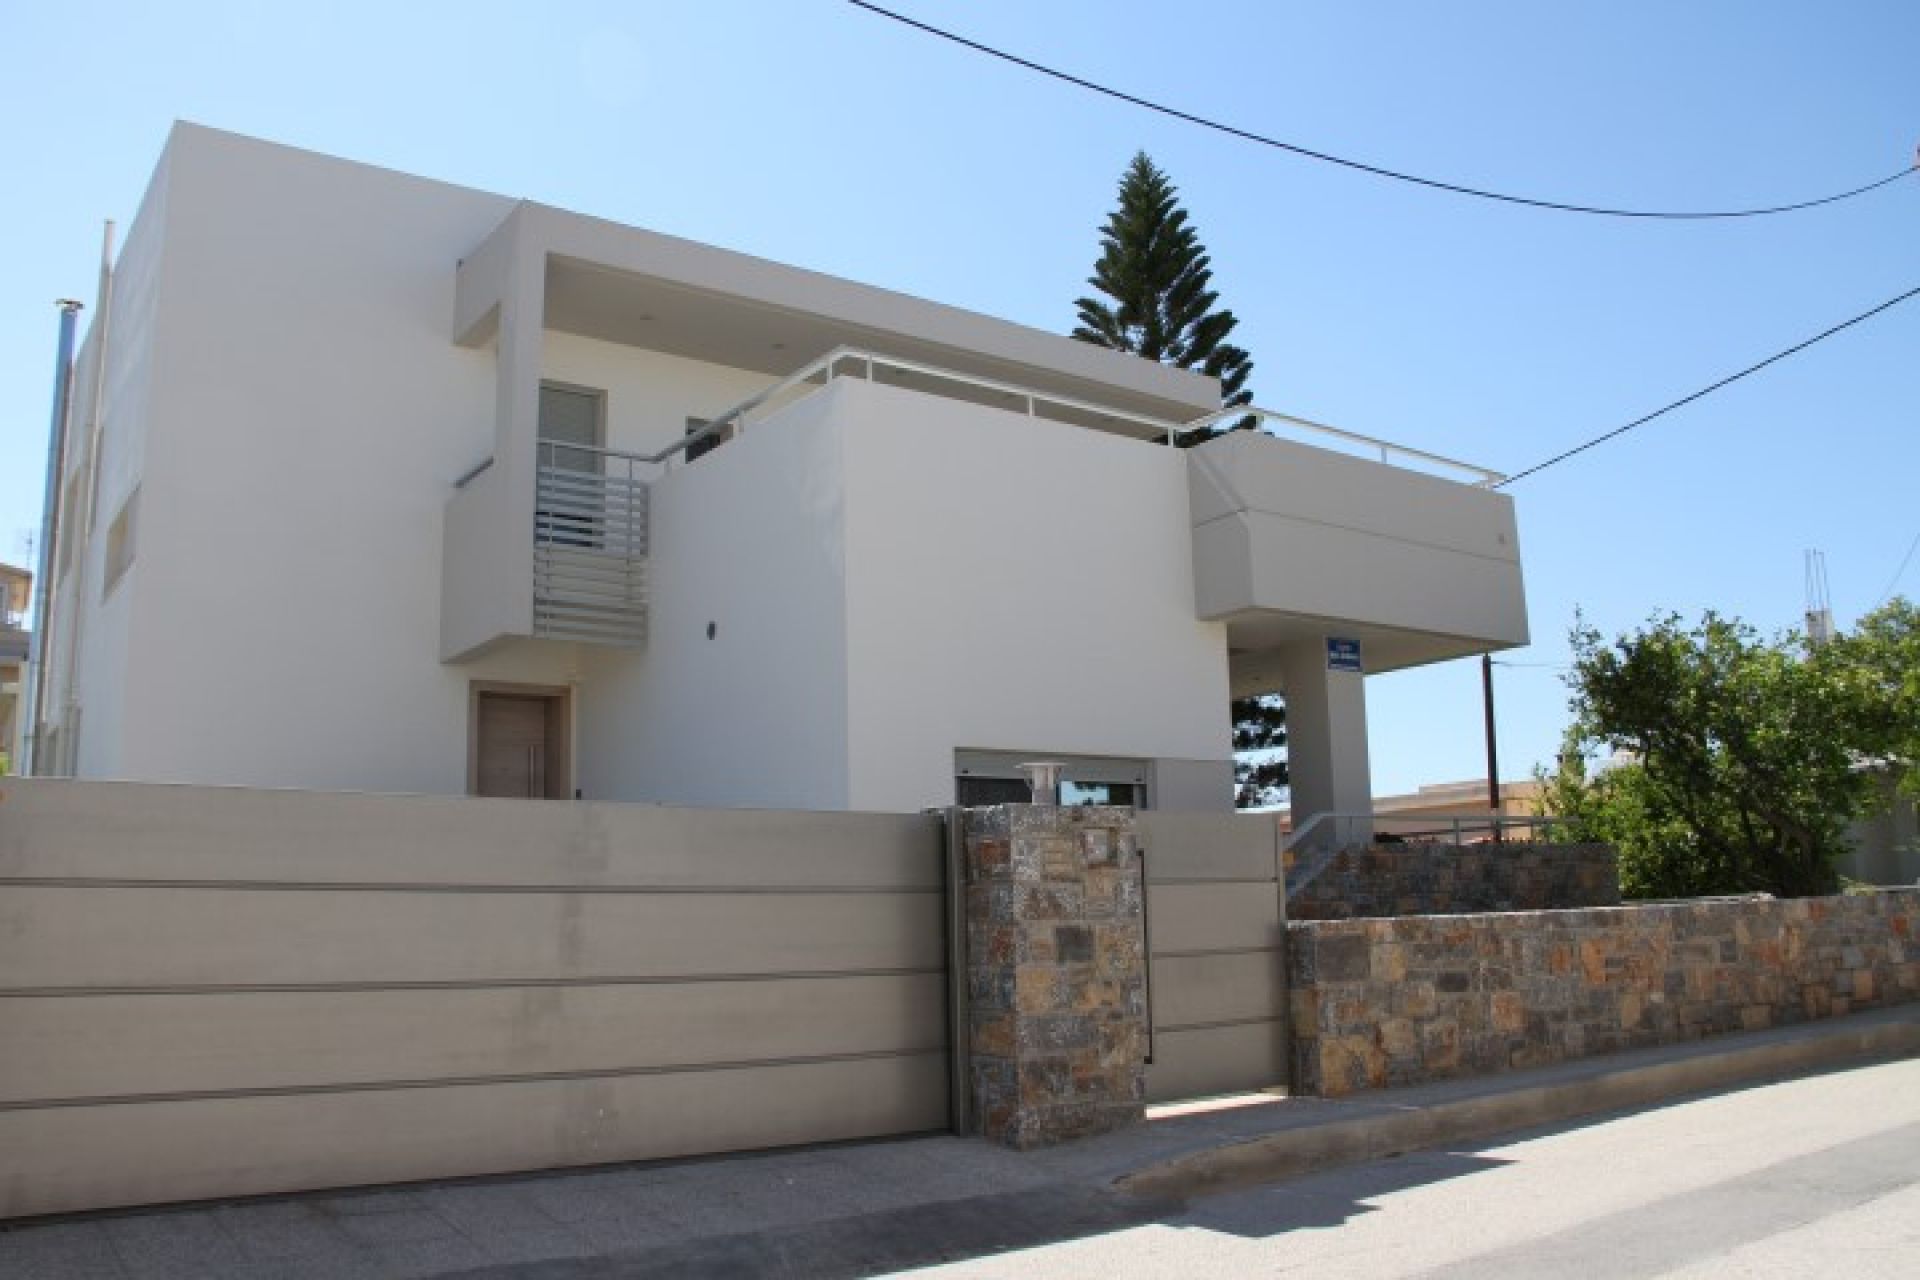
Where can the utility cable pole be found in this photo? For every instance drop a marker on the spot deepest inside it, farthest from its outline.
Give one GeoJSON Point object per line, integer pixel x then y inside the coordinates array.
{"type": "Point", "coordinates": [1493, 750]}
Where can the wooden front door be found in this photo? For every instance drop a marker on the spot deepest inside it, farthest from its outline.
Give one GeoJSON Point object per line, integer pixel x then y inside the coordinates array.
{"type": "Point", "coordinates": [520, 745]}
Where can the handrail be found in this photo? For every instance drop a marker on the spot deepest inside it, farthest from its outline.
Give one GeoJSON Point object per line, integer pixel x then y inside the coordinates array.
{"type": "Point", "coordinates": [873, 359]}
{"type": "Point", "coordinates": [570, 447]}
{"type": "Point", "coordinates": [1456, 823]}
{"type": "Point", "coordinates": [826, 368]}
{"type": "Point", "coordinates": [1299, 833]}
{"type": "Point", "coordinates": [1488, 477]}
{"type": "Point", "coordinates": [1442, 824]}
{"type": "Point", "coordinates": [471, 473]}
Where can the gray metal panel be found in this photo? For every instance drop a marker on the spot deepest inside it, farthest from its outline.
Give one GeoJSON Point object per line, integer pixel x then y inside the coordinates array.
{"type": "Point", "coordinates": [139, 831]}
{"type": "Point", "coordinates": [72, 1158]}
{"type": "Point", "coordinates": [1204, 786]}
{"type": "Point", "coordinates": [1215, 1060]}
{"type": "Point", "coordinates": [100, 1046]}
{"type": "Point", "coordinates": [1197, 990]}
{"type": "Point", "coordinates": [1216, 920]}
{"type": "Point", "coordinates": [1209, 846]}
{"type": "Point", "coordinates": [1212, 917]}
{"type": "Point", "coordinates": [146, 937]}
{"type": "Point", "coordinates": [286, 990]}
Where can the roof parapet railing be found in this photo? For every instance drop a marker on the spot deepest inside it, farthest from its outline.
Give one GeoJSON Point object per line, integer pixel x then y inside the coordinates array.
{"type": "Point", "coordinates": [826, 368]}
{"type": "Point", "coordinates": [1486, 478]}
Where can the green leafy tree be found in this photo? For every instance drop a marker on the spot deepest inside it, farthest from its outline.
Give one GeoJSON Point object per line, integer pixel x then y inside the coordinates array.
{"type": "Point", "coordinates": [1881, 657]}
{"type": "Point", "coordinates": [1159, 304]}
{"type": "Point", "coordinates": [1737, 760]}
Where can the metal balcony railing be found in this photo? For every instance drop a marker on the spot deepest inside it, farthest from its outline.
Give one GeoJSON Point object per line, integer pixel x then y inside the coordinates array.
{"type": "Point", "coordinates": [1314, 844]}
{"type": "Point", "coordinates": [845, 362]}
{"type": "Point", "coordinates": [590, 520]}
{"type": "Point", "coordinates": [589, 545]}
{"type": "Point", "coordinates": [1285, 425]}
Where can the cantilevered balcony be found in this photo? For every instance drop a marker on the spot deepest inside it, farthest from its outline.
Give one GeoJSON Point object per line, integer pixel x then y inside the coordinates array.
{"type": "Point", "coordinates": [1412, 556]}
{"type": "Point", "coordinates": [590, 545]}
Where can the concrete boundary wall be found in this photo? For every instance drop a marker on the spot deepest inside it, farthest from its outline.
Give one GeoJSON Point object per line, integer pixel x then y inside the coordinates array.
{"type": "Point", "coordinates": [1386, 1002]}
{"type": "Point", "coordinates": [212, 992]}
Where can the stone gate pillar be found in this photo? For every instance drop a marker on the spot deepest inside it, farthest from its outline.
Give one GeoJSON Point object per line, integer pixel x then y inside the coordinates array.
{"type": "Point", "coordinates": [1056, 972]}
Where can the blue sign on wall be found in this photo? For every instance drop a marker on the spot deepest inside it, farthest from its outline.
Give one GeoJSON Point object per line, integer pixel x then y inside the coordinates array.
{"type": "Point", "coordinates": [1343, 654]}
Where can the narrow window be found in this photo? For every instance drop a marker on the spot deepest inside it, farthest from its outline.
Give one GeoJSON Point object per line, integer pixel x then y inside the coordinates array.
{"type": "Point", "coordinates": [570, 509]}
{"type": "Point", "coordinates": [122, 536]}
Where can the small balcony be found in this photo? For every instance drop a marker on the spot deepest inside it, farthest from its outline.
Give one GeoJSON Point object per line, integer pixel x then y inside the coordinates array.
{"type": "Point", "coordinates": [590, 545]}
{"type": "Point", "coordinates": [1413, 556]}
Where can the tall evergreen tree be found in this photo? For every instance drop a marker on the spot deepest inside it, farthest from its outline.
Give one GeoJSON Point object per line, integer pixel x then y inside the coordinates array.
{"type": "Point", "coordinates": [1155, 274]}
{"type": "Point", "coordinates": [1159, 304]}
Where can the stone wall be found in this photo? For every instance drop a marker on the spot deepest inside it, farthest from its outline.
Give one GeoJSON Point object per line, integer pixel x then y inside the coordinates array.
{"type": "Point", "coordinates": [1447, 879]}
{"type": "Point", "coordinates": [1415, 999]}
{"type": "Point", "coordinates": [1056, 972]}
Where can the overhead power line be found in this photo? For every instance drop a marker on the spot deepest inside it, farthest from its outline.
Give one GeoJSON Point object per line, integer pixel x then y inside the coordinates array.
{"type": "Point", "coordinates": [1894, 581]}
{"type": "Point", "coordinates": [1376, 170]}
{"type": "Point", "coordinates": [1730, 379]}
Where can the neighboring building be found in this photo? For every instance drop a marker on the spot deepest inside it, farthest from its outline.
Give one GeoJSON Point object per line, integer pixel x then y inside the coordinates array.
{"type": "Point", "coordinates": [384, 491]}
{"type": "Point", "coordinates": [1459, 799]}
{"type": "Point", "coordinates": [1439, 810]}
{"type": "Point", "coordinates": [16, 595]}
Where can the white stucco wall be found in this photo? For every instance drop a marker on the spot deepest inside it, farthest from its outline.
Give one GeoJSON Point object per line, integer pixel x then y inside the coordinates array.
{"type": "Point", "coordinates": [863, 556]}
{"type": "Point", "coordinates": [650, 395]}
{"type": "Point", "coordinates": [890, 576]}
{"type": "Point", "coordinates": [1014, 584]}
{"type": "Point", "coordinates": [308, 417]}
{"type": "Point", "coordinates": [750, 540]}
{"type": "Point", "coordinates": [1311, 532]}
{"type": "Point", "coordinates": [309, 413]}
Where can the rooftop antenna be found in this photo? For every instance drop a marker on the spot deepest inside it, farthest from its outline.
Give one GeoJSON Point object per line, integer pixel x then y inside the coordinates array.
{"type": "Point", "coordinates": [1819, 608]}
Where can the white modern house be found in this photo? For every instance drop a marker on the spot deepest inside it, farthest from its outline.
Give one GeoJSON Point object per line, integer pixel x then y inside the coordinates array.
{"type": "Point", "coordinates": [376, 483]}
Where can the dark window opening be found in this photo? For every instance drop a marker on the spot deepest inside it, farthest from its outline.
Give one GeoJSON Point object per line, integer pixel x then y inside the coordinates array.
{"type": "Point", "coordinates": [704, 446]}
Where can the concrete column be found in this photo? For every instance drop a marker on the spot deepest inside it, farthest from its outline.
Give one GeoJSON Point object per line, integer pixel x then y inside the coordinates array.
{"type": "Point", "coordinates": [1056, 972]}
{"type": "Point", "coordinates": [520, 352]}
{"type": "Point", "coordinates": [1326, 739]}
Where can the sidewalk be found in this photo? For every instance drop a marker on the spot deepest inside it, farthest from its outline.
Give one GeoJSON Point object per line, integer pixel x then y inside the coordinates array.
{"type": "Point", "coordinates": [864, 1209]}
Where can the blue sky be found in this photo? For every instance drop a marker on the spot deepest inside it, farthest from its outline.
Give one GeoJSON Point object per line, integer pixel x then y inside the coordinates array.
{"type": "Point", "coordinates": [812, 133]}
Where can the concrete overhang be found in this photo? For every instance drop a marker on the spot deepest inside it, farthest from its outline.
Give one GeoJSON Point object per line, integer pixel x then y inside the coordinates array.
{"type": "Point", "coordinates": [1294, 544]}
{"type": "Point", "coordinates": [639, 288]}
{"type": "Point", "coordinates": [1257, 639]}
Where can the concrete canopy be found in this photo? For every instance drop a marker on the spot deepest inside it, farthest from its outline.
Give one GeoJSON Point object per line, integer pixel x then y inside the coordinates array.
{"type": "Point", "coordinates": [635, 287]}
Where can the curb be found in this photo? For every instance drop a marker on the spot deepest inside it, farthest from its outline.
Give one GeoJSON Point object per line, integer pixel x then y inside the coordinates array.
{"type": "Point", "coordinates": [1312, 1148]}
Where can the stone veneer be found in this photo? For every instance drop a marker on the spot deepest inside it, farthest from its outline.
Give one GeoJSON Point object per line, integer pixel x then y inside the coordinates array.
{"type": "Point", "coordinates": [1447, 879]}
{"type": "Point", "coordinates": [1404, 1001]}
{"type": "Point", "coordinates": [1056, 972]}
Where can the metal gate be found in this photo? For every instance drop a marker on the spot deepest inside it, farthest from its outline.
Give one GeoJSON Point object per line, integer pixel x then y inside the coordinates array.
{"type": "Point", "coordinates": [210, 992]}
{"type": "Point", "coordinates": [1216, 953]}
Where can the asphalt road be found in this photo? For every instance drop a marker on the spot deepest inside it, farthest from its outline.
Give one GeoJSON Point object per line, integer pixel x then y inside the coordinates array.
{"type": "Point", "coordinates": [1812, 1177]}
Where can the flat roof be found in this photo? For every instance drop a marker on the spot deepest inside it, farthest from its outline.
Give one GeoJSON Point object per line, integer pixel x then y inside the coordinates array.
{"type": "Point", "coordinates": [626, 284]}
